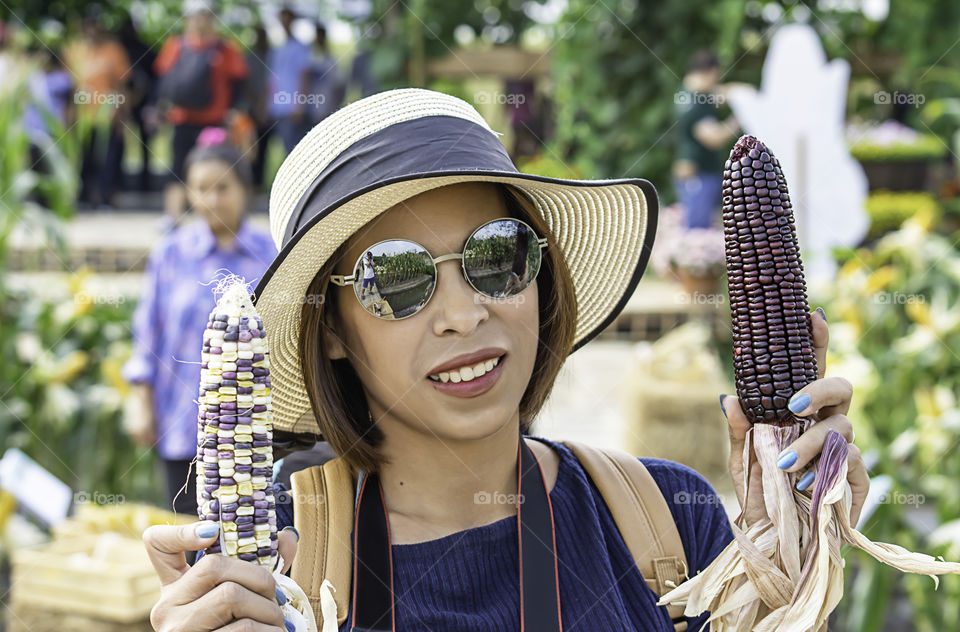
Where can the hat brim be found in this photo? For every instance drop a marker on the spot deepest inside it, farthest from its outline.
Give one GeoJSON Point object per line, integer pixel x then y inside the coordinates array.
{"type": "Point", "coordinates": [603, 228]}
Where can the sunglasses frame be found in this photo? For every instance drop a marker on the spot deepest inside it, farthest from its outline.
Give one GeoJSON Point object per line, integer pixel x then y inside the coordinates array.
{"type": "Point", "coordinates": [350, 280]}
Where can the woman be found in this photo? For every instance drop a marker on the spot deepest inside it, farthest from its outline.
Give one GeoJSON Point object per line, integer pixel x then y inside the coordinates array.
{"type": "Point", "coordinates": [435, 405]}
{"type": "Point", "coordinates": [177, 298]}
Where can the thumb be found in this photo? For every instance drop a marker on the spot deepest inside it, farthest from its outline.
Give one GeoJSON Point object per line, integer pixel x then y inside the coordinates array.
{"type": "Point", "coordinates": [287, 542]}
{"type": "Point", "coordinates": [166, 544]}
{"type": "Point", "coordinates": [737, 422]}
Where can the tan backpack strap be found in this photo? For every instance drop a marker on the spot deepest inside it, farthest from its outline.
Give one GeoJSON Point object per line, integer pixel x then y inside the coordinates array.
{"type": "Point", "coordinates": [323, 503]}
{"type": "Point", "coordinates": [642, 516]}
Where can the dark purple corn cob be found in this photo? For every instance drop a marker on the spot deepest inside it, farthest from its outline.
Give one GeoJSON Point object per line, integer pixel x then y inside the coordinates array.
{"type": "Point", "coordinates": [772, 345]}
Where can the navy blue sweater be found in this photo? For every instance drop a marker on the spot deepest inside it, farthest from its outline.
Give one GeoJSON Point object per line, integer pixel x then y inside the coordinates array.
{"type": "Point", "coordinates": [468, 581]}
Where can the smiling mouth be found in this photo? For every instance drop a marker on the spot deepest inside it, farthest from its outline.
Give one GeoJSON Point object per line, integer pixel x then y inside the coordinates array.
{"type": "Point", "coordinates": [466, 373]}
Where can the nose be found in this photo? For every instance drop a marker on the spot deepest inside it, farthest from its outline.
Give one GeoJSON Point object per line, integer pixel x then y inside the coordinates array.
{"type": "Point", "coordinates": [455, 303]}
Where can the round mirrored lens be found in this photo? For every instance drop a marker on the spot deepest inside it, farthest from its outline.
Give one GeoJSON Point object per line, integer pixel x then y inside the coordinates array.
{"type": "Point", "coordinates": [502, 258]}
{"type": "Point", "coordinates": [394, 279]}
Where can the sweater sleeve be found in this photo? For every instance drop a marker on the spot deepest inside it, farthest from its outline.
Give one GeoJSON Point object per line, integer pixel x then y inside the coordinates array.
{"type": "Point", "coordinates": [699, 515]}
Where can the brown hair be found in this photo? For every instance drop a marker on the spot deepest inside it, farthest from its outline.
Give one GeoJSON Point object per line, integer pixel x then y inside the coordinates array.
{"type": "Point", "coordinates": [336, 392]}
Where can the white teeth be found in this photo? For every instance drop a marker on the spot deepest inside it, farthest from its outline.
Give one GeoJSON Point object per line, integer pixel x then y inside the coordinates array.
{"type": "Point", "coordinates": [467, 373]}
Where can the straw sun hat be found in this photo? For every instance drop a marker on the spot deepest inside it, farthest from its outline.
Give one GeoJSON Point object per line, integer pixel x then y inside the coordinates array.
{"type": "Point", "coordinates": [388, 147]}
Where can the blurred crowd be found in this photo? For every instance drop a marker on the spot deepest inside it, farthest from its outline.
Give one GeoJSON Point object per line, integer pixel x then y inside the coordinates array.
{"type": "Point", "coordinates": [112, 88]}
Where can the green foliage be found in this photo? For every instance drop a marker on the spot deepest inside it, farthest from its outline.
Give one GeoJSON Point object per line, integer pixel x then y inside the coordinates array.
{"type": "Point", "coordinates": [926, 147]}
{"type": "Point", "coordinates": [545, 165]}
{"type": "Point", "coordinates": [889, 209]}
{"type": "Point", "coordinates": [398, 34]}
{"type": "Point", "coordinates": [617, 66]}
{"type": "Point", "coordinates": [61, 350]}
{"type": "Point", "coordinates": [894, 327]}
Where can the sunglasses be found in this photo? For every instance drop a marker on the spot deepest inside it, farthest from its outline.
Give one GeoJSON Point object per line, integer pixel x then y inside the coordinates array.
{"type": "Point", "coordinates": [395, 278]}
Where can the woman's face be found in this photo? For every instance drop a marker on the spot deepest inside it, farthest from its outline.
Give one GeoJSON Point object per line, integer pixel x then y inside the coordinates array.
{"type": "Point", "coordinates": [217, 194]}
{"type": "Point", "coordinates": [394, 358]}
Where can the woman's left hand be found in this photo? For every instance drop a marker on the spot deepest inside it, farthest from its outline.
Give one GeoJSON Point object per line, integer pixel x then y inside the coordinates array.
{"type": "Point", "coordinates": [829, 401]}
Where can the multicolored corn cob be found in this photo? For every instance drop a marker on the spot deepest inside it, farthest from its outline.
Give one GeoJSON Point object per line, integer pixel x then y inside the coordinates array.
{"type": "Point", "coordinates": [234, 434]}
{"type": "Point", "coordinates": [772, 344]}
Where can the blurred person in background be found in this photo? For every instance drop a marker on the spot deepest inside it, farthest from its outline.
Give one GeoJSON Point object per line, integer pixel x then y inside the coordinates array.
{"type": "Point", "coordinates": [289, 81]}
{"type": "Point", "coordinates": [47, 113]}
{"type": "Point", "coordinates": [100, 68]}
{"type": "Point", "coordinates": [327, 85]}
{"type": "Point", "coordinates": [51, 89]}
{"type": "Point", "coordinates": [201, 84]}
{"type": "Point", "coordinates": [141, 84]}
{"type": "Point", "coordinates": [257, 94]}
{"type": "Point", "coordinates": [703, 141]}
{"type": "Point", "coordinates": [176, 301]}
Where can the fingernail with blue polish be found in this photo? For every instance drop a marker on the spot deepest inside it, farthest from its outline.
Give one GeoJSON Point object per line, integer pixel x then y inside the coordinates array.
{"type": "Point", "coordinates": [787, 460]}
{"type": "Point", "coordinates": [281, 598]}
{"type": "Point", "coordinates": [722, 395]}
{"type": "Point", "coordinates": [822, 314]}
{"type": "Point", "coordinates": [294, 530]}
{"type": "Point", "coordinates": [799, 402]}
{"type": "Point", "coordinates": [290, 627]}
{"type": "Point", "coordinates": [805, 481]}
{"type": "Point", "coordinates": [208, 530]}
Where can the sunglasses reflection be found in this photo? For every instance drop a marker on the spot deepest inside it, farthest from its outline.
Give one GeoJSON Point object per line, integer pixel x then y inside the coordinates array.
{"type": "Point", "coordinates": [369, 291]}
{"type": "Point", "coordinates": [396, 278]}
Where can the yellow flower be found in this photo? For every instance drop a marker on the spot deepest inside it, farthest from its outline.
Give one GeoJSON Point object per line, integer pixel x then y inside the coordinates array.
{"type": "Point", "coordinates": [78, 280]}
{"type": "Point", "coordinates": [110, 369]}
{"type": "Point", "coordinates": [918, 312]}
{"type": "Point", "coordinates": [68, 367]}
{"type": "Point", "coordinates": [82, 298]}
{"type": "Point", "coordinates": [880, 279]}
{"type": "Point", "coordinates": [850, 268]}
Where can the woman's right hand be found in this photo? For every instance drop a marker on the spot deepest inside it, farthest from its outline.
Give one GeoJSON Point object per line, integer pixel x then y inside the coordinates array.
{"type": "Point", "coordinates": [217, 593]}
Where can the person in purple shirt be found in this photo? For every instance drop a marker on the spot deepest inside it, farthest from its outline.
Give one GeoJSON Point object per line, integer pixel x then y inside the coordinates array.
{"type": "Point", "coordinates": [176, 301]}
{"type": "Point", "coordinates": [289, 80]}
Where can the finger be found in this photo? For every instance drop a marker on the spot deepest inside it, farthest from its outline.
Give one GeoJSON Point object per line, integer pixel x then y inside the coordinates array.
{"type": "Point", "coordinates": [821, 336]}
{"type": "Point", "coordinates": [828, 396]}
{"type": "Point", "coordinates": [213, 570]}
{"type": "Point", "coordinates": [230, 601]}
{"type": "Point", "coordinates": [859, 480]}
{"type": "Point", "coordinates": [802, 451]}
{"type": "Point", "coordinates": [287, 541]}
{"type": "Point", "coordinates": [165, 545]}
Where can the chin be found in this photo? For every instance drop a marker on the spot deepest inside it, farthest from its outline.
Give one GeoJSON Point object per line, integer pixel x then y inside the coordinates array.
{"type": "Point", "coordinates": [466, 427]}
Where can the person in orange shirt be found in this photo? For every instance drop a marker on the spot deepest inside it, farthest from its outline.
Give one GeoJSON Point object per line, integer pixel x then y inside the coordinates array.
{"type": "Point", "coordinates": [100, 68]}
{"type": "Point", "coordinates": [201, 85]}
